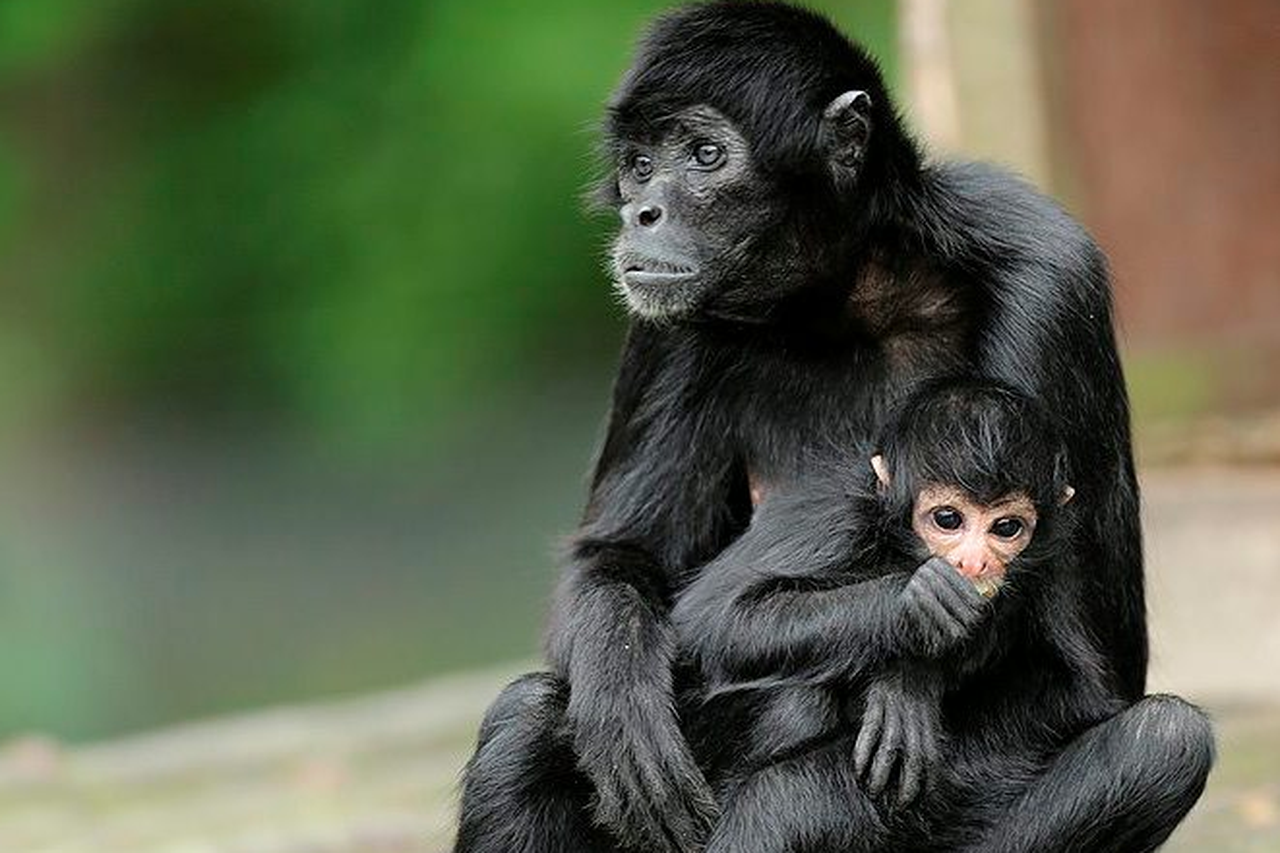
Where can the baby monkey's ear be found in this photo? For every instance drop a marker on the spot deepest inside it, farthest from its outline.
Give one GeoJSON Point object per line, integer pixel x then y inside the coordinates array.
{"type": "Point", "coordinates": [1067, 494]}
{"type": "Point", "coordinates": [882, 471]}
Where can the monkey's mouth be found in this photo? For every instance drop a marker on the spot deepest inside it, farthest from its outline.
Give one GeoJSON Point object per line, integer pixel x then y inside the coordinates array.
{"type": "Point", "coordinates": [638, 272]}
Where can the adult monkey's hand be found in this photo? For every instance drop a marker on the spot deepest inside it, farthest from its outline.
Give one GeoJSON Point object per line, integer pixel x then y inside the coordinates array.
{"type": "Point", "coordinates": [649, 792]}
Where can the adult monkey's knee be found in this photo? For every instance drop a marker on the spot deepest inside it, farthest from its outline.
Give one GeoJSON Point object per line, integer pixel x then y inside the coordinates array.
{"type": "Point", "coordinates": [1156, 760]}
{"type": "Point", "coordinates": [519, 741]}
{"type": "Point", "coordinates": [535, 699]}
{"type": "Point", "coordinates": [519, 788]}
{"type": "Point", "coordinates": [1175, 740]}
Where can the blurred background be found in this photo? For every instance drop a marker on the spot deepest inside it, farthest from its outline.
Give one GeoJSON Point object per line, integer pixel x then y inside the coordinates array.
{"type": "Point", "coordinates": [305, 342]}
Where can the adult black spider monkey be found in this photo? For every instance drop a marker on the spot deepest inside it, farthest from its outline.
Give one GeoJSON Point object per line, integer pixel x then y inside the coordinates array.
{"type": "Point", "coordinates": [793, 268]}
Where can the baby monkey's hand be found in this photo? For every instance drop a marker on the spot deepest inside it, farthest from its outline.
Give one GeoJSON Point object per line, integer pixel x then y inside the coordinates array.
{"type": "Point", "coordinates": [941, 608]}
{"type": "Point", "coordinates": [901, 735]}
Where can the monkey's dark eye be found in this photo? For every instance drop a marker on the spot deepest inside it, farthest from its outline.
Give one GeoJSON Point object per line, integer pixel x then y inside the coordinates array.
{"type": "Point", "coordinates": [708, 155]}
{"type": "Point", "coordinates": [1007, 528]}
{"type": "Point", "coordinates": [642, 167]}
{"type": "Point", "coordinates": [948, 518]}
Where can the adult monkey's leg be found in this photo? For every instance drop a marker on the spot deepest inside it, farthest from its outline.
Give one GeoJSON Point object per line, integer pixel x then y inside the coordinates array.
{"type": "Point", "coordinates": [522, 790]}
{"type": "Point", "coordinates": [1121, 787]}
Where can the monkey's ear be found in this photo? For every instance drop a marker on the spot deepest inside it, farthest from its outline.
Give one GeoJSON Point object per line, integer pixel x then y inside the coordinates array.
{"type": "Point", "coordinates": [881, 469]}
{"type": "Point", "coordinates": [1067, 494]}
{"type": "Point", "coordinates": [846, 127]}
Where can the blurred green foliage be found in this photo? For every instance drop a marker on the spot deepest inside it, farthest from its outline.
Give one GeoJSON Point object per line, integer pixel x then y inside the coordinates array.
{"type": "Point", "coordinates": [348, 225]}
{"type": "Point", "coordinates": [351, 213]}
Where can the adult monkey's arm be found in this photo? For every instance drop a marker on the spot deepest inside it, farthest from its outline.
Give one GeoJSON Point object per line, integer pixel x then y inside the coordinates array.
{"type": "Point", "coordinates": [656, 492]}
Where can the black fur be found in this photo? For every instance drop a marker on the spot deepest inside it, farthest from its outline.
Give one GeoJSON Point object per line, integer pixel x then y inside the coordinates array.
{"type": "Point", "coordinates": [830, 581]}
{"type": "Point", "coordinates": [864, 275]}
{"type": "Point", "coordinates": [821, 628]}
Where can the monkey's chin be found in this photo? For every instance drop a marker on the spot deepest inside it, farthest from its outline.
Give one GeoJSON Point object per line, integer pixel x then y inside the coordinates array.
{"type": "Point", "coordinates": [659, 296]}
{"type": "Point", "coordinates": [987, 587]}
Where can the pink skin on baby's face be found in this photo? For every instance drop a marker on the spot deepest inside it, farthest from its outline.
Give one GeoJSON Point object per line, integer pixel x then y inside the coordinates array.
{"type": "Point", "coordinates": [978, 539]}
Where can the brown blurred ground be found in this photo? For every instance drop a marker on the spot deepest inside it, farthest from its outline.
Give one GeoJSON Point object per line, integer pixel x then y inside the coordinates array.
{"type": "Point", "coordinates": [1213, 568]}
{"type": "Point", "coordinates": [378, 773]}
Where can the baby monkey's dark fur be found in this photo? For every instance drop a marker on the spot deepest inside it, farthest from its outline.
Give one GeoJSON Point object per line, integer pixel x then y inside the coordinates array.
{"type": "Point", "coordinates": [794, 270]}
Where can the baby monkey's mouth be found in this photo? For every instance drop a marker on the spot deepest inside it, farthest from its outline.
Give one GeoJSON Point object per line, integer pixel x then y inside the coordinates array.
{"type": "Point", "coordinates": [988, 585]}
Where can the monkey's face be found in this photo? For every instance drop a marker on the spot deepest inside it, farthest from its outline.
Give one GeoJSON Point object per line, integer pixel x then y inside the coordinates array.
{"type": "Point", "coordinates": [706, 229]}
{"type": "Point", "coordinates": [978, 539]}
{"type": "Point", "coordinates": [692, 208]}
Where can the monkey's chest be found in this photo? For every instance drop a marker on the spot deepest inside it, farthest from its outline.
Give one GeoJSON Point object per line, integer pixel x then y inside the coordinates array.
{"type": "Point", "coordinates": [819, 414]}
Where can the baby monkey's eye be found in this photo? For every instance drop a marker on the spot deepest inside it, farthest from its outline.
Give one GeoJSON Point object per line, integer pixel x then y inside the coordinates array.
{"type": "Point", "coordinates": [948, 518]}
{"type": "Point", "coordinates": [1007, 528]}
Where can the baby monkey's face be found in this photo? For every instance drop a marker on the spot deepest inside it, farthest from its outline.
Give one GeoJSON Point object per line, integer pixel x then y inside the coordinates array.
{"type": "Point", "coordinates": [978, 539]}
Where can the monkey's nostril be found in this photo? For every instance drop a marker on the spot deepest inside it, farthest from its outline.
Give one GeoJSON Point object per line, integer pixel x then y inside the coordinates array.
{"type": "Point", "coordinates": [649, 215]}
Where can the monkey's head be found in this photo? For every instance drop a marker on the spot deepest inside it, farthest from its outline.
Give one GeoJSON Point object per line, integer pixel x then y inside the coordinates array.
{"type": "Point", "coordinates": [744, 142]}
{"type": "Point", "coordinates": [980, 472]}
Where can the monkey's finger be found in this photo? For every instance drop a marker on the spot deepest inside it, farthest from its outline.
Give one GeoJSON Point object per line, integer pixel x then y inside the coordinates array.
{"type": "Point", "coordinates": [886, 756]}
{"type": "Point", "coordinates": [915, 592]}
{"type": "Point", "coordinates": [960, 602]}
{"type": "Point", "coordinates": [933, 733]}
{"type": "Point", "coordinates": [924, 597]}
{"type": "Point", "coordinates": [946, 578]}
{"type": "Point", "coordinates": [869, 734]}
{"type": "Point", "coordinates": [945, 575]}
{"type": "Point", "coordinates": [970, 591]}
{"type": "Point", "coordinates": [931, 751]}
{"type": "Point", "coordinates": [945, 615]}
{"type": "Point", "coordinates": [911, 775]}
{"type": "Point", "coordinates": [942, 569]}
